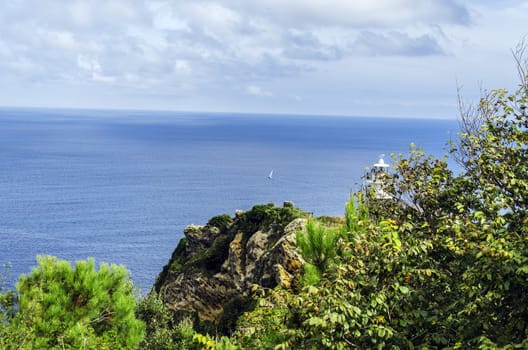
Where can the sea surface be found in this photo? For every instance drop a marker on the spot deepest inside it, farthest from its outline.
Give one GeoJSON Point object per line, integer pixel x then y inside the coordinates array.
{"type": "Point", "coordinates": [120, 186]}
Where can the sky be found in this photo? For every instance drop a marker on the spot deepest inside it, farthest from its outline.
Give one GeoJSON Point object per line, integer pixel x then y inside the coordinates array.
{"type": "Point", "coordinates": [402, 58]}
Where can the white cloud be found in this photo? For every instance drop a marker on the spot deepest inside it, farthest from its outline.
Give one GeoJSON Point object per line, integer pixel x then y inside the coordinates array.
{"type": "Point", "coordinates": [81, 13]}
{"type": "Point", "coordinates": [89, 64]}
{"type": "Point", "coordinates": [108, 14]}
{"type": "Point", "coordinates": [103, 78]}
{"type": "Point", "coordinates": [216, 19]}
{"type": "Point", "coordinates": [60, 39]}
{"type": "Point", "coordinates": [165, 19]}
{"type": "Point", "coordinates": [358, 14]}
{"type": "Point", "coordinates": [255, 90]}
{"type": "Point", "coordinates": [93, 67]}
{"type": "Point", "coordinates": [182, 67]}
{"type": "Point", "coordinates": [395, 43]}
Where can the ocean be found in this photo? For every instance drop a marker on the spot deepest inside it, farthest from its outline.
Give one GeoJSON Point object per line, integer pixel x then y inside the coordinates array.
{"type": "Point", "coordinates": [120, 186]}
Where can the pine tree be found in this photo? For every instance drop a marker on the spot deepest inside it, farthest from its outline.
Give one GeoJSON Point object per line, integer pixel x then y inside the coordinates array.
{"type": "Point", "coordinates": [79, 308]}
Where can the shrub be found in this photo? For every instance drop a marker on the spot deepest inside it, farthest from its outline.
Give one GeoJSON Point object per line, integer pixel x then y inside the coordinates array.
{"type": "Point", "coordinates": [79, 308]}
{"type": "Point", "coordinates": [222, 222]}
{"type": "Point", "coordinates": [161, 333]}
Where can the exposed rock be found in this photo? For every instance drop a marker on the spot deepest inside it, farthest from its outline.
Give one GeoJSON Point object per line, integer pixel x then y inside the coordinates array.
{"type": "Point", "coordinates": [256, 247]}
{"type": "Point", "coordinates": [200, 237]}
{"type": "Point", "coordinates": [283, 253]}
{"type": "Point", "coordinates": [212, 266]}
{"type": "Point", "coordinates": [233, 265]}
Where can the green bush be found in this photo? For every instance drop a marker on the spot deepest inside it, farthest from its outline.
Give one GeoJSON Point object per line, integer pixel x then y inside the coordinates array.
{"type": "Point", "coordinates": [265, 215]}
{"type": "Point", "coordinates": [79, 308]}
{"type": "Point", "coordinates": [357, 215]}
{"type": "Point", "coordinates": [222, 222]}
{"type": "Point", "coordinates": [161, 333]}
{"type": "Point", "coordinates": [7, 297]}
{"type": "Point", "coordinates": [157, 318]}
{"type": "Point", "coordinates": [266, 326]}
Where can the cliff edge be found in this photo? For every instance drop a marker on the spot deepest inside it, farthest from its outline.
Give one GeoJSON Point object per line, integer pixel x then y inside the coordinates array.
{"type": "Point", "coordinates": [215, 267]}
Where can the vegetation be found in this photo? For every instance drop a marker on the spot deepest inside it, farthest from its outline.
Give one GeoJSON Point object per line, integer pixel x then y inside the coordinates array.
{"type": "Point", "coordinates": [317, 244]}
{"type": "Point", "coordinates": [222, 222]}
{"type": "Point", "coordinates": [442, 264]}
{"type": "Point", "coordinates": [264, 216]}
{"type": "Point", "coordinates": [161, 333]}
{"type": "Point", "coordinates": [79, 308]}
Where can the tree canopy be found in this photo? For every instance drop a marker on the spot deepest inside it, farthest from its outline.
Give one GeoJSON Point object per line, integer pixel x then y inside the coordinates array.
{"type": "Point", "coordinates": [443, 263]}
{"type": "Point", "coordinates": [73, 308]}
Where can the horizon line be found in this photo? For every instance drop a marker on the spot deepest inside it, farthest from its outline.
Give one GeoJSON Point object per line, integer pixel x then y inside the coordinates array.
{"type": "Point", "coordinates": [225, 113]}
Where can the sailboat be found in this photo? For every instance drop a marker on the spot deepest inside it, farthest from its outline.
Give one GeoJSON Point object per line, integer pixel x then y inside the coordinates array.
{"type": "Point", "coordinates": [270, 176]}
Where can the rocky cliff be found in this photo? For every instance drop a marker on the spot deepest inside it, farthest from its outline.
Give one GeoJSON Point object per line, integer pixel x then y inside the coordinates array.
{"type": "Point", "coordinates": [216, 266]}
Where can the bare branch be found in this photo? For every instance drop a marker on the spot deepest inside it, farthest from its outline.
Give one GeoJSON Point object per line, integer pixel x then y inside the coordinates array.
{"type": "Point", "coordinates": [521, 61]}
{"type": "Point", "coordinates": [470, 122]}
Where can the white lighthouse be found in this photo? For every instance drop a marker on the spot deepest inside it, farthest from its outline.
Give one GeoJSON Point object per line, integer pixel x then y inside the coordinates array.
{"type": "Point", "coordinates": [376, 179]}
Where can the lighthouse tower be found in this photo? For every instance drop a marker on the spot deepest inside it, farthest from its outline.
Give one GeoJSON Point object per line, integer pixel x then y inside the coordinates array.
{"type": "Point", "coordinates": [376, 179]}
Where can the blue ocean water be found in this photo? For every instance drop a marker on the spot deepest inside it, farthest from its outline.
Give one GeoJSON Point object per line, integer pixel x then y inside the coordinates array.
{"type": "Point", "coordinates": [120, 186]}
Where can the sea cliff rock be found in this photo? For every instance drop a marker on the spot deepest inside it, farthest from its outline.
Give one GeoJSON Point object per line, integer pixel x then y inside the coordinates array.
{"type": "Point", "coordinates": [220, 263]}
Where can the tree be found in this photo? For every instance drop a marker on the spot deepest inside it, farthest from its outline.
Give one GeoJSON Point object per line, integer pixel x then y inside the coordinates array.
{"type": "Point", "coordinates": [317, 244]}
{"type": "Point", "coordinates": [493, 151]}
{"type": "Point", "coordinates": [477, 221]}
{"type": "Point", "coordinates": [442, 264]}
{"type": "Point", "coordinates": [79, 308]}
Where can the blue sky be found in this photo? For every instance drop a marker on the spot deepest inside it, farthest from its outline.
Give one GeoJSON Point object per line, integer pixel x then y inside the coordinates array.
{"type": "Point", "coordinates": [340, 57]}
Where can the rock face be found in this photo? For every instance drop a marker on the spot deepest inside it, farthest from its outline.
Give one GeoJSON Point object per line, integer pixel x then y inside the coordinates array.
{"type": "Point", "coordinates": [221, 262]}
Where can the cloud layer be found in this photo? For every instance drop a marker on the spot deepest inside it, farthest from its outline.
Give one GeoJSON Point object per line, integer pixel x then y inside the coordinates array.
{"type": "Point", "coordinates": [216, 49]}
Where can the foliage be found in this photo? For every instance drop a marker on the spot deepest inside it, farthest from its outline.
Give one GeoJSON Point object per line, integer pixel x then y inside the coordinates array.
{"type": "Point", "coordinates": [348, 308]}
{"type": "Point", "coordinates": [209, 343]}
{"type": "Point", "coordinates": [330, 221]}
{"type": "Point", "coordinates": [365, 302]}
{"type": "Point", "coordinates": [161, 333]}
{"type": "Point", "coordinates": [222, 222]}
{"type": "Point", "coordinates": [79, 308]}
{"type": "Point", "coordinates": [442, 264]}
{"type": "Point", "coordinates": [495, 156]}
{"type": "Point", "coordinates": [267, 325]}
{"type": "Point", "coordinates": [317, 244]}
{"type": "Point", "coordinates": [232, 311]}
{"type": "Point", "coordinates": [423, 189]}
{"type": "Point", "coordinates": [477, 221]}
{"type": "Point", "coordinates": [356, 214]}
{"type": "Point", "coordinates": [211, 260]}
{"type": "Point", "coordinates": [7, 304]}
{"type": "Point", "coordinates": [311, 275]}
{"type": "Point", "coordinates": [7, 297]}
{"type": "Point", "coordinates": [259, 216]}
{"type": "Point", "coordinates": [265, 215]}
